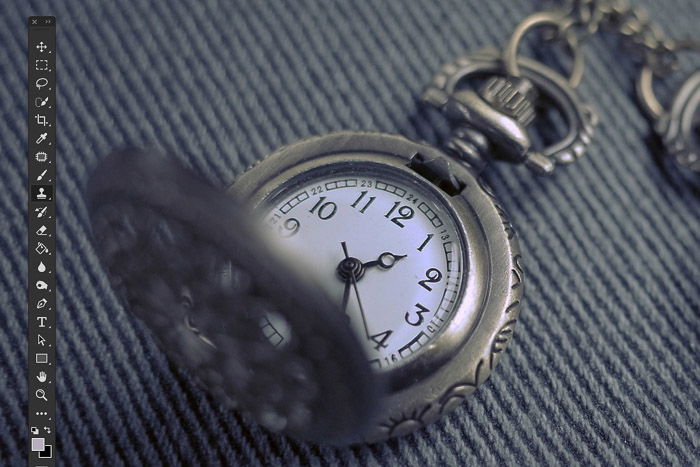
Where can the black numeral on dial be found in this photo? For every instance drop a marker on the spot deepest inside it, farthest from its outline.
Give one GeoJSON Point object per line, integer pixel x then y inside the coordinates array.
{"type": "Point", "coordinates": [325, 210]}
{"type": "Point", "coordinates": [419, 313]}
{"type": "Point", "coordinates": [425, 242]}
{"type": "Point", "coordinates": [290, 227]}
{"type": "Point", "coordinates": [380, 339]}
{"type": "Point", "coordinates": [366, 205]}
{"type": "Point", "coordinates": [432, 275]}
{"type": "Point", "coordinates": [405, 213]}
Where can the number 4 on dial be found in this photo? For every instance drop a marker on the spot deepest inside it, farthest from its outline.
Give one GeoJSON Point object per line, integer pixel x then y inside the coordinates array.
{"type": "Point", "coordinates": [380, 339]}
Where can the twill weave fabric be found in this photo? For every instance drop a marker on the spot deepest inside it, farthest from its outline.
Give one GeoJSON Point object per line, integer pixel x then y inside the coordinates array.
{"type": "Point", "coordinates": [604, 368]}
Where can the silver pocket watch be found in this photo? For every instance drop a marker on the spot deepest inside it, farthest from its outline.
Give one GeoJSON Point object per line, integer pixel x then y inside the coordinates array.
{"type": "Point", "coordinates": [354, 286]}
{"type": "Point", "coordinates": [427, 270]}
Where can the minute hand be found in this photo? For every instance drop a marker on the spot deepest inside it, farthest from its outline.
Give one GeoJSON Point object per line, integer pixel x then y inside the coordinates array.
{"type": "Point", "coordinates": [357, 293]}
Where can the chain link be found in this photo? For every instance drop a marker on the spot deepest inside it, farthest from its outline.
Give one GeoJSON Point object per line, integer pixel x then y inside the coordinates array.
{"type": "Point", "coordinates": [640, 35]}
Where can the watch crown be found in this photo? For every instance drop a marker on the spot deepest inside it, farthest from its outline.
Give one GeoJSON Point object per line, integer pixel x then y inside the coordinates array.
{"type": "Point", "coordinates": [512, 96]}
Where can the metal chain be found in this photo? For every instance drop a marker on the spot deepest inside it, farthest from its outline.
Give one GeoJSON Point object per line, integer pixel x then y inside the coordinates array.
{"type": "Point", "coordinates": [640, 35]}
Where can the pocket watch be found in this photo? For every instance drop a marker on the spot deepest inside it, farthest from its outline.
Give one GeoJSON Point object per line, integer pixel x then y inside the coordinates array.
{"type": "Point", "coordinates": [421, 258]}
{"type": "Point", "coordinates": [354, 286]}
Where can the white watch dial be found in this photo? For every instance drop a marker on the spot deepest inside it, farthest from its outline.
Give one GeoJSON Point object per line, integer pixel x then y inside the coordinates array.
{"type": "Point", "coordinates": [383, 238]}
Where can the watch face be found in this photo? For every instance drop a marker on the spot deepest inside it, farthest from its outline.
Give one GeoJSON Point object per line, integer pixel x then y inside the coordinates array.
{"type": "Point", "coordinates": [387, 243]}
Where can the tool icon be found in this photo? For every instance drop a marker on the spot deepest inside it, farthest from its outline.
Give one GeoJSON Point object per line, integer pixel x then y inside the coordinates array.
{"type": "Point", "coordinates": [34, 430]}
{"type": "Point", "coordinates": [41, 120]}
{"type": "Point", "coordinates": [40, 212]}
{"type": "Point", "coordinates": [39, 102]}
{"type": "Point", "coordinates": [41, 138]}
{"type": "Point", "coordinates": [41, 82]}
{"type": "Point", "coordinates": [43, 450]}
{"type": "Point", "coordinates": [41, 394]}
{"type": "Point", "coordinates": [38, 444]}
{"type": "Point", "coordinates": [41, 156]}
{"type": "Point", "coordinates": [41, 64]}
{"type": "Point", "coordinates": [41, 248]}
{"type": "Point", "coordinates": [42, 358]}
{"type": "Point", "coordinates": [41, 175]}
{"type": "Point", "coordinates": [42, 192]}
{"type": "Point", "coordinates": [41, 377]}
{"type": "Point", "coordinates": [47, 453]}
{"type": "Point", "coordinates": [41, 285]}
{"type": "Point", "coordinates": [41, 267]}
{"type": "Point", "coordinates": [41, 46]}
{"type": "Point", "coordinates": [40, 340]}
{"type": "Point", "coordinates": [41, 303]}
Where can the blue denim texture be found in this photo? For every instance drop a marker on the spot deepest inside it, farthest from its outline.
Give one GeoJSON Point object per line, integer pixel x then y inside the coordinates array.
{"type": "Point", "coordinates": [605, 365]}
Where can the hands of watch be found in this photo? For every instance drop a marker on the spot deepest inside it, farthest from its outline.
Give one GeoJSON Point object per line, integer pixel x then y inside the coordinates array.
{"type": "Point", "coordinates": [385, 261]}
{"type": "Point", "coordinates": [350, 265]}
{"type": "Point", "coordinates": [346, 296]}
{"type": "Point", "coordinates": [352, 269]}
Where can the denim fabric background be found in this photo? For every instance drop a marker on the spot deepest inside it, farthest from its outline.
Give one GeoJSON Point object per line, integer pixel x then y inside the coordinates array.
{"type": "Point", "coordinates": [604, 368]}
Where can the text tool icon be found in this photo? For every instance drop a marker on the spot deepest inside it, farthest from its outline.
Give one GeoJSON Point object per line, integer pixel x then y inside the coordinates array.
{"type": "Point", "coordinates": [41, 304]}
{"type": "Point", "coordinates": [41, 394]}
{"type": "Point", "coordinates": [41, 248]}
{"type": "Point", "coordinates": [40, 212]}
{"type": "Point", "coordinates": [42, 358]}
{"type": "Point", "coordinates": [41, 138]}
{"type": "Point", "coordinates": [41, 82]}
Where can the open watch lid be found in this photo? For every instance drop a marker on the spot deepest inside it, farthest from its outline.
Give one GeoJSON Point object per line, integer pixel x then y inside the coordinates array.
{"type": "Point", "coordinates": [190, 262]}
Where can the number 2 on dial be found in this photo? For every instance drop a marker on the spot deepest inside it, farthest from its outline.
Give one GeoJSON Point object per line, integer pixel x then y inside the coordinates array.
{"type": "Point", "coordinates": [432, 275]}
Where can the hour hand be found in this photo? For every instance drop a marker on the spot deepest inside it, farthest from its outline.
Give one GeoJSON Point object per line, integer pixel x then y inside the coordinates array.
{"type": "Point", "coordinates": [385, 261]}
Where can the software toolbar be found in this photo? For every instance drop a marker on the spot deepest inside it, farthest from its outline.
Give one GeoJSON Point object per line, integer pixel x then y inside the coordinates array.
{"type": "Point", "coordinates": [41, 294]}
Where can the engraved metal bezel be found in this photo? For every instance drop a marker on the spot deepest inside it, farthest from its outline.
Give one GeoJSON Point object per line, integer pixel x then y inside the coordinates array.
{"type": "Point", "coordinates": [460, 357]}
